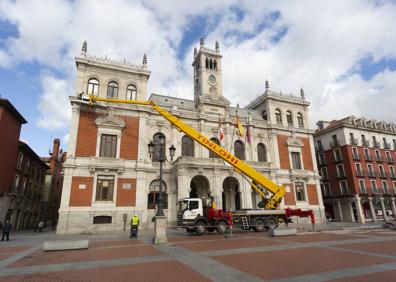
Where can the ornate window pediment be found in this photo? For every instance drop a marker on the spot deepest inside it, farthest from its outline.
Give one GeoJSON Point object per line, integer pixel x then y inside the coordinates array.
{"type": "Point", "coordinates": [110, 121]}
{"type": "Point", "coordinates": [294, 142]}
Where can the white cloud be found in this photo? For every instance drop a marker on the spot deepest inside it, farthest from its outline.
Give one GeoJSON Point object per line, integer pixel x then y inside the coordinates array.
{"type": "Point", "coordinates": [323, 43]}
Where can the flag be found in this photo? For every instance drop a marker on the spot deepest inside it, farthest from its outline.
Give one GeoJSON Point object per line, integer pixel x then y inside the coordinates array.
{"type": "Point", "coordinates": [248, 136]}
{"type": "Point", "coordinates": [220, 131]}
{"type": "Point", "coordinates": [238, 125]}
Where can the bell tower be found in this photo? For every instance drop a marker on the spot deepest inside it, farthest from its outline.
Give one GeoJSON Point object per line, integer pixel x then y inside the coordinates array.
{"type": "Point", "coordinates": [207, 73]}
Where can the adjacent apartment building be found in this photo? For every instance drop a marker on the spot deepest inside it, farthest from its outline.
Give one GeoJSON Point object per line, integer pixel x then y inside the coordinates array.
{"type": "Point", "coordinates": [356, 159]}
{"type": "Point", "coordinates": [109, 175]}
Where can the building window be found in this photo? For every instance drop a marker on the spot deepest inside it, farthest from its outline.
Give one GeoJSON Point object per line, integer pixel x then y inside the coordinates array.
{"type": "Point", "coordinates": [261, 152]}
{"type": "Point", "coordinates": [322, 159]}
{"type": "Point", "coordinates": [300, 191]}
{"type": "Point", "coordinates": [27, 166]}
{"type": "Point", "coordinates": [374, 188]}
{"type": "Point", "coordinates": [378, 156]}
{"type": "Point", "coordinates": [154, 194]}
{"type": "Point", "coordinates": [104, 188]}
{"type": "Point", "coordinates": [93, 87]}
{"type": "Point", "coordinates": [382, 171]}
{"type": "Point", "coordinates": [334, 141]}
{"type": "Point", "coordinates": [355, 154]}
{"type": "Point", "coordinates": [385, 187]}
{"type": "Point", "coordinates": [108, 146]}
{"type": "Point", "coordinates": [157, 145]}
{"type": "Point", "coordinates": [326, 189]}
{"type": "Point", "coordinates": [187, 146]}
{"type": "Point", "coordinates": [16, 183]}
{"type": "Point", "coordinates": [278, 116]}
{"type": "Point", "coordinates": [289, 118]}
{"type": "Point", "coordinates": [264, 115]}
{"type": "Point", "coordinates": [300, 120]}
{"type": "Point", "coordinates": [296, 160]}
{"type": "Point", "coordinates": [102, 219]}
{"type": "Point", "coordinates": [367, 155]}
{"type": "Point", "coordinates": [340, 171]}
{"type": "Point", "coordinates": [323, 173]}
{"type": "Point", "coordinates": [112, 90]}
{"type": "Point", "coordinates": [131, 92]}
{"type": "Point", "coordinates": [337, 155]}
{"type": "Point", "coordinates": [362, 187]}
{"type": "Point", "coordinates": [394, 186]}
{"type": "Point", "coordinates": [239, 150]}
{"type": "Point", "coordinates": [211, 154]}
{"type": "Point", "coordinates": [344, 188]}
{"type": "Point", "coordinates": [359, 171]}
{"type": "Point", "coordinates": [20, 160]}
{"type": "Point", "coordinates": [392, 171]}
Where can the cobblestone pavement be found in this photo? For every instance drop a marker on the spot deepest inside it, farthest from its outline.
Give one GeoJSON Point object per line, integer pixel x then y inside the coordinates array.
{"type": "Point", "coordinates": [330, 255]}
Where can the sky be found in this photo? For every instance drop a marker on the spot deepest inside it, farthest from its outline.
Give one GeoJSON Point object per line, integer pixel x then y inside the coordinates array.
{"type": "Point", "coordinates": [342, 53]}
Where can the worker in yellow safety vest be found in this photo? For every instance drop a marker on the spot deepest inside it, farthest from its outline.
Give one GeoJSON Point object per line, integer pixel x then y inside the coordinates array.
{"type": "Point", "coordinates": [134, 226]}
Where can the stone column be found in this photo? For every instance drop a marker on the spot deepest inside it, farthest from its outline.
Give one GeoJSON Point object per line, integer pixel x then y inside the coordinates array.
{"type": "Point", "coordinates": [359, 209]}
{"type": "Point", "coordinates": [372, 209]}
{"type": "Point", "coordinates": [340, 210]}
{"type": "Point", "coordinates": [383, 209]}
{"type": "Point", "coordinates": [393, 206]}
{"type": "Point", "coordinates": [71, 146]}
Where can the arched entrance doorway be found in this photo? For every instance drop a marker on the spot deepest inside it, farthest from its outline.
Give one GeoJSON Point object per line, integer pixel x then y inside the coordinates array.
{"type": "Point", "coordinates": [231, 195]}
{"type": "Point", "coordinates": [199, 187]}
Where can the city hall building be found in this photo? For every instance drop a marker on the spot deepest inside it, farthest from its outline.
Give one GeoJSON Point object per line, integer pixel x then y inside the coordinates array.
{"type": "Point", "coordinates": [109, 174]}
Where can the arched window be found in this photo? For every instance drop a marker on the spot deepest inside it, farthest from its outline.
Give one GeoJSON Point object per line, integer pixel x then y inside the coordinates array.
{"type": "Point", "coordinates": [187, 146]}
{"type": "Point", "coordinates": [215, 65]}
{"type": "Point", "coordinates": [211, 154]}
{"type": "Point", "coordinates": [261, 152]}
{"type": "Point", "coordinates": [239, 150]}
{"type": "Point", "coordinates": [207, 63]}
{"type": "Point", "coordinates": [112, 90]}
{"type": "Point", "coordinates": [289, 118]}
{"type": "Point", "coordinates": [264, 115]}
{"type": "Point", "coordinates": [131, 92]}
{"type": "Point", "coordinates": [278, 116]}
{"type": "Point", "coordinates": [93, 87]}
{"type": "Point", "coordinates": [158, 146]}
{"type": "Point", "coordinates": [211, 64]}
{"type": "Point", "coordinates": [300, 120]}
{"type": "Point", "coordinates": [153, 195]}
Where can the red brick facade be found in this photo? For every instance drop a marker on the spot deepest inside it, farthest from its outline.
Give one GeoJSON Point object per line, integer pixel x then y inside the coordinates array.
{"type": "Point", "coordinates": [126, 192]}
{"type": "Point", "coordinates": [312, 194]}
{"type": "Point", "coordinates": [87, 135]}
{"type": "Point", "coordinates": [130, 137]}
{"type": "Point", "coordinates": [290, 199]}
{"type": "Point", "coordinates": [78, 196]}
{"type": "Point", "coordinates": [283, 152]}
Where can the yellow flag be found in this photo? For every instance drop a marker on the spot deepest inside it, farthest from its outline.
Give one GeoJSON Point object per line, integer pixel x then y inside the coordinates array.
{"type": "Point", "coordinates": [238, 125]}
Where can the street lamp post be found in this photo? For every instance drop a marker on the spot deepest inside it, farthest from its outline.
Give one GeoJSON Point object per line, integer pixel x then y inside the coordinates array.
{"type": "Point", "coordinates": [160, 219]}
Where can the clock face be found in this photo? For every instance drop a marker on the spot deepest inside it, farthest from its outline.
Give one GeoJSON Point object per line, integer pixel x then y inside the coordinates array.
{"type": "Point", "coordinates": [212, 79]}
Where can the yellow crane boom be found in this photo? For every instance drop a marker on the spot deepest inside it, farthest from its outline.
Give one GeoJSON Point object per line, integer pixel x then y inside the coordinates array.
{"type": "Point", "coordinates": [258, 180]}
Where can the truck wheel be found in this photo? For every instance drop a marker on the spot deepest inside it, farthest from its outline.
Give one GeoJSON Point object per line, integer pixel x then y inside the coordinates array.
{"type": "Point", "coordinates": [190, 230]}
{"type": "Point", "coordinates": [272, 223]}
{"type": "Point", "coordinates": [259, 225]}
{"type": "Point", "coordinates": [221, 227]}
{"type": "Point", "coordinates": [200, 227]}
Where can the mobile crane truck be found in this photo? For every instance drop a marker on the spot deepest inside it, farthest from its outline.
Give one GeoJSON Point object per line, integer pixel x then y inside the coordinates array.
{"type": "Point", "coordinates": [198, 215]}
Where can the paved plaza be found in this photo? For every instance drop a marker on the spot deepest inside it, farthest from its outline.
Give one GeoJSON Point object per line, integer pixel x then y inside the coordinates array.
{"type": "Point", "coordinates": [329, 255]}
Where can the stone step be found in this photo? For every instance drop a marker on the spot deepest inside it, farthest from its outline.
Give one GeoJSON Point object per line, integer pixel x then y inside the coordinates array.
{"type": "Point", "coordinates": [65, 245]}
{"type": "Point", "coordinates": [283, 232]}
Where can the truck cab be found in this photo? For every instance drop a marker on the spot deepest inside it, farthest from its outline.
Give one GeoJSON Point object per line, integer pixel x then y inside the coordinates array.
{"type": "Point", "coordinates": [188, 210]}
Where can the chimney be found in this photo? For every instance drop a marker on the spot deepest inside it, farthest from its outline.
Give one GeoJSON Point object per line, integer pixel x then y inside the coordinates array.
{"type": "Point", "coordinates": [55, 149]}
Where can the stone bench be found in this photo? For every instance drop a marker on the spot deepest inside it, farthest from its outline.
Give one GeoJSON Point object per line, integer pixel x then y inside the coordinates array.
{"type": "Point", "coordinates": [65, 245]}
{"type": "Point", "coordinates": [283, 232]}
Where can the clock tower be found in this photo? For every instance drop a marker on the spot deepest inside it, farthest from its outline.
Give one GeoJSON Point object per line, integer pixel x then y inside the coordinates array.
{"type": "Point", "coordinates": [207, 76]}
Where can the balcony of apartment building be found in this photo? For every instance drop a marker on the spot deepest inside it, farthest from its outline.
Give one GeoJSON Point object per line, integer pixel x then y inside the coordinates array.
{"type": "Point", "coordinates": [341, 175]}
{"type": "Point", "coordinates": [356, 156]}
{"type": "Point", "coordinates": [376, 144]}
{"type": "Point", "coordinates": [387, 146]}
{"type": "Point", "coordinates": [392, 175]}
{"type": "Point", "coordinates": [382, 174]}
{"type": "Point", "coordinates": [359, 173]}
{"type": "Point", "coordinates": [390, 159]}
{"type": "Point", "coordinates": [353, 141]}
{"type": "Point", "coordinates": [367, 157]}
{"type": "Point", "coordinates": [365, 142]}
{"type": "Point", "coordinates": [378, 158]}
{"type": "Point", "coordinates": [371, 174]}
{"type": "Point", "coordinates": [334, 143]}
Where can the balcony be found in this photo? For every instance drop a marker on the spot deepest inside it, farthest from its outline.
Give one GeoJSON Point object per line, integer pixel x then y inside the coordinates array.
{"type": "Point", "coordinates": [372, 174]}
{"type": "Point", "coordinates": [359, 173]}
{"type": "Point", "coordinates": [390, 160]}
{"type": "Point", "coordinates": [368, 158]}
{"type": "Point", "coordinates": [376, 144]}
{"type": "Point", "coordinates": [356, 157]}
{"type": "Point", "coordinates": [392, 175]}
{"type": "Point", "coordinates": [319, 148]}
{"type": "Point", "coordinates": [354, 141]}
{"type": "Point", "coordinates": [341, 176]}
{"type": "Point", "coordinates": [365, 143]}
{"type": "Point", "coordinates": [382, 174]}
{"type": "Point", "coordinates": [387, 146]}
{"type": "Point", "coordinates": [334, 143]}
{"type": "Point", "coordinates": [379, 159]}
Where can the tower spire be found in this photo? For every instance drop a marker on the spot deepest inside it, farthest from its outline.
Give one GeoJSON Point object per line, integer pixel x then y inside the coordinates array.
{"type": "Point", "coordinates": [145, 59]}
{"type": "Point", "coordinates": [195, 51]}
{"type": "Point", "coordinates": [217, 46]}
{"type": "Point", "coordinates": [266, 85]}
{"type": "Point", "coordinates": [302, 93]}
{"type": "Point", "coordinates": [84, 48]}
{"type": "Point", "coordinates": [201, 42]}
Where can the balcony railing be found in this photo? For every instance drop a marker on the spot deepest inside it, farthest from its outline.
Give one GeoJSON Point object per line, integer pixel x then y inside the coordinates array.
{"type": "Point", "coordinates": [371, 174]}
{"type": "Point", "coordinates": [376, 144]}
{"type": "Point", "coordinates": [356, 157]}
{"type": "Point", "coordinates": [382, 174]}
{"type": "Point", "coordinates": [379, 159]}
{"type": "Point", "coordinates": [390, 160]}
{"type": "Point", "coordinates": [365, 142]}
{"type": "Point", "coordinates": [368, 158]}
{"type": "Point", "coordinates": [359, 173]}
{"type": "Point", "coordinates": [341, 175]}
{"type": "Point", "coordinates": [387, 146]}
{"type": "Point", "coordinates": [334, 143]}
{"type": "Point", "coordinates": [354, 141]}
{"type": "Point", "coordinates": [392, 175]}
